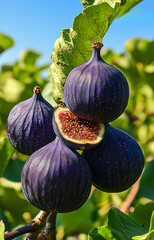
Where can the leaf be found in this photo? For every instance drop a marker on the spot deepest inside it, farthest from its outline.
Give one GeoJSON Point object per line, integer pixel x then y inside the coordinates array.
{"type": "Point", "coordinates": [6, 151]}
{"type": "Point", "coordinates": [5, 42]}
{"type": "Point", "coordinates": [152, 224]}
{"type": "Point", "coordinates": [150, 234]}
{"type": "Point", "coordinates": [145, 236]}
{"type": "Point", "coordinates": [123, 226]}
{"type": "Point", "coordinates": [74, 46]}
{"type": "Point", "coordinates": [5, 221]}
{"type": "Point", "coordinates": [14, 166]}
{"type": "Point", "coordinates": [141, 50]}
{"type": "Point", "coordinates": [146, 188]}
{"type": "Point", "coordinates": [126, 5]}
{"type": "Point", "coordinates": [101, 233]}
{"type": "Point", "coordinates": [29, 57]}
{"type": "Point", "coordinates": [120, 227]}
{"type": "Point", "coordinates": [2, 229]}
{"type": "Point", "coordinates": [142, 213]}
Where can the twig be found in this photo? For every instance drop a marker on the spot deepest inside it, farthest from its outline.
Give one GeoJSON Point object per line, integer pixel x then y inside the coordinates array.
{"type": "Point", "coordinates": [49, 232]}
{"type": "Point", "coordinates": [130, 198]}
{"type": "Point", "coordinates": [34, 226]}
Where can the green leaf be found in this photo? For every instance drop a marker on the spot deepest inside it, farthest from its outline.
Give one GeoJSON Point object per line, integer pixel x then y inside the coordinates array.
{"type": "Point", "coordinates": [126, 5]}
{"type": "Point", "coordinates": [152, 223]}
{"type": "Point", "coordinates": [14, 166]}
{"type": "Point", "coordinates": [120, 227]}
{"type": "Point", "coordinates": [146, 236]}
{"type": "Point", "coordinates": [6, 151]}
{"type": "Point", "coordinates": [123, 226]}
{"type": "Point", "coordinates": [2, 229]}
{"type": "Point", "coordinates": [150, 234]}
{"type": "Point", "coordinates": [47, 94]}
{"type": "Point", "coordinates": [142, 213]}
{"type": "Point", "coordinates": [140, 50]}
{"type": "Point", "coordinates": [29, 57]}
{"type": "Point", "coordinates": [5, 42]}
{"type": "Point", "coordinates": [74, 46]}
{"type": "Point", "coordinates": [146, 188]}
{"type": "Point", "coordinates": [101, 233]}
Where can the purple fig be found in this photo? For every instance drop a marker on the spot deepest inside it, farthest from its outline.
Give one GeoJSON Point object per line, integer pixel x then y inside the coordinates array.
{"type": "Point", "coordinates": [95, 90]}
{"type": "Point", "coordinates": [29, 124]}
{"type": "Point", "coordinates": [56, 178]}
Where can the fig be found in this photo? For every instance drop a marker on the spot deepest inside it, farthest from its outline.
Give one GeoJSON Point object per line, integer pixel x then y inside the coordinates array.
{"type": "Point", "coordinates": [75, 132]}
{"type": "Point", "coordinates": [95, 90]}
{"type": "Point", "coordinates": [116, 162]}
{"type": "Point", "coordinates": [56, 178]}
{"type": "Point", "coordinates": [29, 124]}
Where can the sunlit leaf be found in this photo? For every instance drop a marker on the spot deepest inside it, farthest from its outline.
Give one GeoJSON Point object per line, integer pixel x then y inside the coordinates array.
{"type": "Point", "coordinates": [141, 50]}
{"type": "Point", "coordinates": [5, 42]}
{"type": "Point", "coordinates": [29, 57]}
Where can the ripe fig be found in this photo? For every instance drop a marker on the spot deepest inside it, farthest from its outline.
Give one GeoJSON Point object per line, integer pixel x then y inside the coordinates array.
{"type": "Point", "coordinates": [56, 178]}
{"type": "Point", "coordinates": [95, 90]}
{"type": "Point", "coordinates": [116, 162]}
{"type": "Point", "coordinates": [75, 132]}
{"type": "Point", "coordinates": [29, 124]}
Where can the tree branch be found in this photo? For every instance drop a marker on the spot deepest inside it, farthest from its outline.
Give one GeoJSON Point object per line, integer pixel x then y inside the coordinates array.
{"type": "Point", "coordinates": [130, 198]}
{"type": "Point", "coordinates": [34, 226]}
{"type": "Point", "coordinates": [49, 232]}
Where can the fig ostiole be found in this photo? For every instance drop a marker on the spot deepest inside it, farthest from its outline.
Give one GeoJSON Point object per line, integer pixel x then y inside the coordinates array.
{"type": "Point", "coordinates": [95, 90]}
{"type": "Point", "coordinates": [75, 132]}
{"type": "Point", "coordinates": [29, 124]}
{"type": "Point", "coordinates": [56, 178]}
{"type": "Point", "coordinates": [116, 162]}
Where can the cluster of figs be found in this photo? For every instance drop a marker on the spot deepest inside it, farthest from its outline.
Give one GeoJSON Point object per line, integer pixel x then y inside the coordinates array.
{"type": "Point", "coordinates": [55, 176]}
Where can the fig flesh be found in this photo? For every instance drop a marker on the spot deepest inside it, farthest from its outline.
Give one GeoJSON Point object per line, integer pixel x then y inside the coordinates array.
{"type": "Point", "coordinates": [95, 90]}
{"type": "Point", "coordinates": [56, 178]}
{"type": "Point", "coordinates": [29, 124]}
{"type": "Point", "coordinates": [75, 132]}
{"type": "Point", "coordinates": [116, 162]}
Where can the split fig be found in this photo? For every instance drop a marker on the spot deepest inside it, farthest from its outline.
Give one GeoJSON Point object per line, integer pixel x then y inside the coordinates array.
{"type": "Point", "coordinates": [29, 124]}
{"type": "Point", "coordinates": [95, 90]}
{"type": "Point", "coordinates": [75, 132]}
{"type": "Point", "coordinates": [116, 162]}
{"type": "Point", "coordinates": [56, 178]}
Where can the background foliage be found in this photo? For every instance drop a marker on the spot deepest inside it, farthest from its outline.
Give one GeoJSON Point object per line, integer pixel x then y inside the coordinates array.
{"type": "Point", "coordinates": [71, 49]}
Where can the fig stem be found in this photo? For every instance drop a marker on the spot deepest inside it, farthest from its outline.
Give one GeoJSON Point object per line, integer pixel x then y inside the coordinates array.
{"type": "Point", "coordinates": [32, 227]}
{"type": "Point", "coordinates": [49, 232]}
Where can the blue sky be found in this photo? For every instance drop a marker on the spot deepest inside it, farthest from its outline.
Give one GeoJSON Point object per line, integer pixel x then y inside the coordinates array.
{"type": "Point", "coordinates": [37, 24]}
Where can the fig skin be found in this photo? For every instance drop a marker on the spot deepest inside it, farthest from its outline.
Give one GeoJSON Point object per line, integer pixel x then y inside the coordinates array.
{"type": "Point", "coordinates": [116, 162]}
{"type": "Point", "coordinates": [80, 145]}
{"type": "Point", "coordinates": [95, 90]}
{"type": "Point", "coordinates": [56, 178]}
{"type": "Point", "coordinates": [29, 124]}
